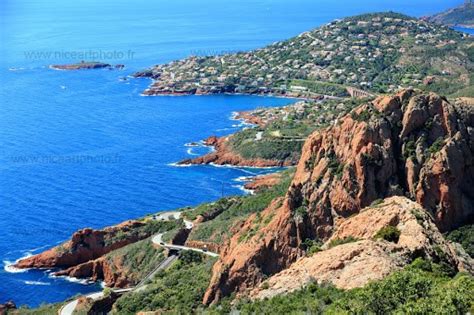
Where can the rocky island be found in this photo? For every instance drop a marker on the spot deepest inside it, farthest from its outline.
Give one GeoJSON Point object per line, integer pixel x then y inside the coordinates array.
{"type": "Point", "coordinates": [84, 65]}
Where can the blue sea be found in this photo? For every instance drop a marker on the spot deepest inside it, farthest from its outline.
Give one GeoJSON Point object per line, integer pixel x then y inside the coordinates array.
{"type": "Point", "coordinates": [84, 149]}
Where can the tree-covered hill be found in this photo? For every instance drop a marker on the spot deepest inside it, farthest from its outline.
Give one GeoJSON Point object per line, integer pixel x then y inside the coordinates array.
{"type": "Point", "coordinates": [379, 53]}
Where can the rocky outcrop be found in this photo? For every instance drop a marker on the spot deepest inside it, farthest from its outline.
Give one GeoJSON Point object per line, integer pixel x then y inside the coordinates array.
{"type": "Point", "coordinates": [89, 306]}
{"type": "Point", "coordinates": [355, 264]}
{"type": "Point", "coordinates": [250, 118]}
{"type": "Point", "coordinates": [263, 181]}
{"type": "Point", "coordinates": [223, 155]}
{"type": "Point", "coordinates": [181, 236]}
{"type": "Point", "coordinates": [257, 249]}
{"type": "Point", "coordinates": [86, 245]}
{"type": "Point", "coordinates": [112, 273]}
{"type": "Point", "coordinates": [412, 144]}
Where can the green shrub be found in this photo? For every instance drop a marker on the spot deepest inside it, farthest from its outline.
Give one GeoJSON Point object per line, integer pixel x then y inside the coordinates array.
{"type": "Point", "coordinates": [376, 202]}
{"type": "Point", "coordinates": [388, 233]}
{"type": "Point", "coordinates": [464, 236]}
{"type": "Point", "coordinates": [311, 246]}
{"type": "Point", "coordinates": [413, 290]}
{"type": "Point", "coordinates": [436, 146]}
{"type": "Point", "coordinates": [340, 241]}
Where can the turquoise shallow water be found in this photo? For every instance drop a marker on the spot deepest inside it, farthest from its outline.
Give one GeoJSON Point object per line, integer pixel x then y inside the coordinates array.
{"type": "Point", "coordinates": [85, 149]}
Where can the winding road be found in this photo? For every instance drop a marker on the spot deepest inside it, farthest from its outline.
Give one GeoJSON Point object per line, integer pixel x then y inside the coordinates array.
{"type": "Point", "coordinates": [68, 308]}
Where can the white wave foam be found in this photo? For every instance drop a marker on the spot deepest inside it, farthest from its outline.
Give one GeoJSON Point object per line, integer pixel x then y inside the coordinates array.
{"type": "Point", "coordinates": [72, 279]}
{"type": "Point", "coordinates": [194, 144]}
{"type": "Point", "coordinates": [36, 283]}
{"type": "Point", "coordinates": [190, 152]}
{"type": "Point", "coordinates": [242, 188]}
{"type": "Point", "coordinates": [233, 116]}
{"type": "Point", "coordinates": [243, 168]}
{"type": "Point", "coordinates": [243, 124]}
{"type": "Point", "coordinates": [243, 179]}
{"type": "Point", "coordinates": [176, 164]}
{"type": "Point", "coordinates": [8, 265]}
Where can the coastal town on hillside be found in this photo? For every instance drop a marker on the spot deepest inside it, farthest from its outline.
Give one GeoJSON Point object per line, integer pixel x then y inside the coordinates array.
{"type": "Point", "coordinates": [373, 53]}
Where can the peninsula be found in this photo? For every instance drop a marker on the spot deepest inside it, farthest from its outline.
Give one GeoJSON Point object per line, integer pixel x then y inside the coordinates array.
{"type": "Point", "coordinates": [357, 56]}
{"type": "Point", "coordinates": [462, 16]}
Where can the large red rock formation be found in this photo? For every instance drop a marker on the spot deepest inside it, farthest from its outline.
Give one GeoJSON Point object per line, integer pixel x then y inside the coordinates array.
{"type": "Point", "coordinates": [369, 258]}
{"type": "Point", "coordinates": [86, 245]}
{"type": "Point", "coordinates": [411, 144]}
{"type": "Point", "coordinates": [112, 273]}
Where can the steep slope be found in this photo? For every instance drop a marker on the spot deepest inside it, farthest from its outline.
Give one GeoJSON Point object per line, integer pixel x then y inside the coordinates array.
{"type": "Point", "coordinates": [411, 144]}
{"type": "Point", "coordinates": [383, 238]}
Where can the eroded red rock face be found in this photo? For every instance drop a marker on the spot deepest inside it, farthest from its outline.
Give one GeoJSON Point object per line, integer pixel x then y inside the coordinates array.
{"type": "Point", "coordinates": [113, 273]}
{"type": "Point", "coordinates": [86, 245]}
{"type": "Point", "coordinates": [411, 144]}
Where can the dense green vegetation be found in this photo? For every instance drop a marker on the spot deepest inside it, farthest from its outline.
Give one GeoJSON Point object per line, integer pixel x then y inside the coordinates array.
{"type": "Point", "coordinates": [388, 233]}
{"type": "Point", "coordinates": [137, 259]}
{"type": "Point", "coordinates": [235, 209]}
{"type": "Point", "coordinates": [270, 149]}
{"type": "Point", "coordinates": [464, 236]}
{"type": "Point", "coordinates": [420, 288]}
{"type": "Point", "coordinates": [178, 290]}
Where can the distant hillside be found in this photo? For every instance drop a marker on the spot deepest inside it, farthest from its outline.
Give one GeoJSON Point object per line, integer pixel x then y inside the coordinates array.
{"type": "Point", "coordinates": [460, 16]}
{"type": "Point", "coordinates": [379, 53]}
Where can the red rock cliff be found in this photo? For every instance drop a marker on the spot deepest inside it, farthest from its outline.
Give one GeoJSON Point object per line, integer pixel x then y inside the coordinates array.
{"type": "Point", "coordinates": [86, 245]}
{"type": "Point", "coordinates": [411, 144]}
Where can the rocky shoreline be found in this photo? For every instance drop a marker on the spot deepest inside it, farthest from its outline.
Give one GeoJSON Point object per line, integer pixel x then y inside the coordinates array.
{"type": "Point", "coordinates": [84, 255]}
{"type": "Point", "coordinates": [223, 155]}
{"type": "Point", "coordinates": [152, 92]}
